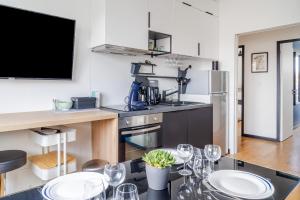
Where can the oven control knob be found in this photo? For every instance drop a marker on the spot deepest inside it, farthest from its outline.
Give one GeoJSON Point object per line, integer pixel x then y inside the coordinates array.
{"type": "Point", "coordinates": [127, 122]}
{"type": "Point", "coordinates": [155, 118]}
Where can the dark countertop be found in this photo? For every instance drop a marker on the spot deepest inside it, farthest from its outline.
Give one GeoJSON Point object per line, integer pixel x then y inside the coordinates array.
{"type": "Point", "coordinates": [283, 183]}
{"type": "Point", "coordinates": [161, 108]}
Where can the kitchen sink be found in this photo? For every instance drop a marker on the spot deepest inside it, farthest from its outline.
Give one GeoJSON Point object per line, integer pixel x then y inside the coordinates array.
{"type": "Point", "coordinates": [180, 103]}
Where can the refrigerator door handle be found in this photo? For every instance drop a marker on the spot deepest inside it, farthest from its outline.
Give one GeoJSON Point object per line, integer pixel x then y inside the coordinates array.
{"type": "Point", "coordinates": [218, 94]}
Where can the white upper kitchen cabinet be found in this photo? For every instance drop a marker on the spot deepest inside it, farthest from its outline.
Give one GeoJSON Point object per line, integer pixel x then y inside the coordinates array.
{"type": "Point", "coordinates": [195, 33]}
{"type": "Point", "coordinates": [210, 6]}
{"type": "Point", "coordinates": [185, 30]}
{"type": "Point", "coordinates": [160, 15]}
{"type": "Point", "coordinates": [208, 36]}
{"type": "Point", "coordinates": [121, 23]}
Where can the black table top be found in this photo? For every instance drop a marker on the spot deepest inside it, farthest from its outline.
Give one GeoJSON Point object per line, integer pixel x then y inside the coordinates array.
{"type": "Point", "coordinates": [283, 183]}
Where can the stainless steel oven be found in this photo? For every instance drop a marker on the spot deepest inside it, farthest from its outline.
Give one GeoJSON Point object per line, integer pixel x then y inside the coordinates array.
{"type": "Point", "coordinates": [138, 135]}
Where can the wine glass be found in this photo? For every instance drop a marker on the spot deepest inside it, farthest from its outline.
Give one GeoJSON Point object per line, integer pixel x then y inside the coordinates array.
{"type": "Point", "coordinates": [115, 175]}
{"type": "Point", "coordinates": [197, 188]}
{"type": "Point", "coordinates": [184, 191]}
{"type": "Point", "coordinates": [127, 191]}
{"type": "Point", "coordinates": [185, 152]}
{"type": "Point", "coordinates": [212, 153]}
{"type": "Point", "coordinates": [198, 166]}
{"type": "Point", "coordinates": [197, 152]}
{"type": "Point", "coordinates": [201, 167]}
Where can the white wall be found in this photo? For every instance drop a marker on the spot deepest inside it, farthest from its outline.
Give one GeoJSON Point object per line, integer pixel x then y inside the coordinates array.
{"type": "Point", "coordinates": [109, 74]}
{"type": "Point", "coordinates": [237, 17]}
{"type": "Point", "coordinates": [261, 88]}
{"type": "Point", "coordinates": [28, 95]}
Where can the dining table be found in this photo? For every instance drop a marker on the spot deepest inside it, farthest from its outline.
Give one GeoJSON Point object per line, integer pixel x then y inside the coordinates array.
{"type": "Point", "coordinates": [188, 187]}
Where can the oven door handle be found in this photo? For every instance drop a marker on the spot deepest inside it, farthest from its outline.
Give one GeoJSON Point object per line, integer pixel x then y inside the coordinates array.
{"type": "Point", "coordinates": [133, 132]}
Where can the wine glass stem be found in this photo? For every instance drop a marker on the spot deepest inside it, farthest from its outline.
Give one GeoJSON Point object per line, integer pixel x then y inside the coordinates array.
{"type": "Point", "coordinates": [184, 165]}
{"type": "Point", "coordinates": [114, 192]}
{"type": "Point", "coordinates": [212, 166]}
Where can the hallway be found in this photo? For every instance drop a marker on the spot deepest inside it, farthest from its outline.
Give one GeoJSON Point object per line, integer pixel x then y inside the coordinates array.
{"type": "Point", "coordinates": [281, 156]}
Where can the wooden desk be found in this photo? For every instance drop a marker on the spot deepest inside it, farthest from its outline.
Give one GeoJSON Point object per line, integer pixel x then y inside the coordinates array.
{"type": "Point", "coordinates": [104, 127]}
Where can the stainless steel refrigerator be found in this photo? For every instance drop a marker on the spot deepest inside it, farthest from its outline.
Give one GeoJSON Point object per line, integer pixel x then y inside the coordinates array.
{"type": "Point", "coordinates": [213, 87]}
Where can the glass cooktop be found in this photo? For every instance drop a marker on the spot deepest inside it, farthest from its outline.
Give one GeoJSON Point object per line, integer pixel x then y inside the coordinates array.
{"type": "Point", "coordinates": [125, 108]}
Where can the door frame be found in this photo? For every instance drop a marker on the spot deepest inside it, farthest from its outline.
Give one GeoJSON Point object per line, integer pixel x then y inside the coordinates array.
{"type": "Point", "coordinates": [294, 79]}
{"type": "Point", "coordinates": [243, 88]}
{"type": "Point", "coordinates": [279, 83]}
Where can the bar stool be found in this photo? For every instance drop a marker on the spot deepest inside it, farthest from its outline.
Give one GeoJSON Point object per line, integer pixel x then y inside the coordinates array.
{"type": "Point", "coordinates": [95, 165]}
{"type": "Point", "coordinates": [9, 161]}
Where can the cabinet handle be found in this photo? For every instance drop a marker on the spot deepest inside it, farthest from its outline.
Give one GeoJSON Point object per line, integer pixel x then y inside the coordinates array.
{"type": "Point", "coordinates": [187, 4]}
{"type": "Point", "coordinates": [149, 19]}
{"type": "Point", "coordinates": [209, 13]}
{"type": "Point", "coordinates": [199, 49]}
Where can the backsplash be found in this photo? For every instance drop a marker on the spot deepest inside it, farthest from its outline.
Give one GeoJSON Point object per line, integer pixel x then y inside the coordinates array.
{"type": "Point", "coordinates": [110, 74]}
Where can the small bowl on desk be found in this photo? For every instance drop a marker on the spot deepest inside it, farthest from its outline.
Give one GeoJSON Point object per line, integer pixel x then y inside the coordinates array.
{"type": "Point", "coordinates": [62, 105]}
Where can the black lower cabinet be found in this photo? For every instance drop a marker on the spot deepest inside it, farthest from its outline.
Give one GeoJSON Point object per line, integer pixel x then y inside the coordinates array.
{"type": "Point", "coordinates": [174, 129]}
{"type": "Point", "coordinates": [200, 127]}
{"type": "Point", "coordinates": [193, 127]}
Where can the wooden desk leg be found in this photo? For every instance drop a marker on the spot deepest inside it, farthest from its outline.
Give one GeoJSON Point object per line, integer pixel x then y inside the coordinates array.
{"type": "Point", "coordinates": [105, 140]}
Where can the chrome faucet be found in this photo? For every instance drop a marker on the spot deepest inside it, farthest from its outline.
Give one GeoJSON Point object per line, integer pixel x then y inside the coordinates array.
{"type": "Point", "coordinates": [182, 83]}
{"type": "Point", "coordinates": [165, 94]}
{"type": "Point", "coordinates": [179, 91]}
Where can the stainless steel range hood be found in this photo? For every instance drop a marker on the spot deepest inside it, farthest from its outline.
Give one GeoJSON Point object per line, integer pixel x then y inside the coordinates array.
{"type": "Point", "coordinates": [113, 49]}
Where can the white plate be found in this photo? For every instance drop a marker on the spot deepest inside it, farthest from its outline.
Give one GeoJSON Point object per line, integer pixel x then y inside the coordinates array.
{"type": "Point", "coordinates": [74, 186]}
{"type": "Point", "coordinates": [174, 153]}
{"type": "Point", "coordinates": [241, 184]}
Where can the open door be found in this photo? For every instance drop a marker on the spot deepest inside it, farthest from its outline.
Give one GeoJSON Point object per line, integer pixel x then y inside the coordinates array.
{"type": "Point", "coordinates": [240, 94]}
{"type": "Point", "coordinates": [296, 89]}
{"type": "Point", "coordinates": [287, 89]}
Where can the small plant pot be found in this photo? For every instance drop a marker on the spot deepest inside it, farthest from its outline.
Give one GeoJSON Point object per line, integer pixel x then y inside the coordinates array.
{"type": "Point", "coordinates": [157, 178]}
{"type": "Point", "coordinates": [157, 194]}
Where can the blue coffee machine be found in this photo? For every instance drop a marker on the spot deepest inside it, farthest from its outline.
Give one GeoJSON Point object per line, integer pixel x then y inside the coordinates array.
{"type": "Point", "coordinates": [134, 103]}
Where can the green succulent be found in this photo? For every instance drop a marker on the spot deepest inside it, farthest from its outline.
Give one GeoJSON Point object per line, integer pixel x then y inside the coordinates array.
{"type": "Point", "coordinates": [159, 159]}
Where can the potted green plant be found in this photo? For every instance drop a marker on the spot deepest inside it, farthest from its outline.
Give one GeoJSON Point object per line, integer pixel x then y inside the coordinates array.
{"type": "Point", "coordinates": [158, 166]}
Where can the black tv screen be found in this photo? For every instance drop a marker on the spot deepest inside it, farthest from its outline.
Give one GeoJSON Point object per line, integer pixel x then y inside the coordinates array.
{"type": "Point", "coordinates": [34, 45]}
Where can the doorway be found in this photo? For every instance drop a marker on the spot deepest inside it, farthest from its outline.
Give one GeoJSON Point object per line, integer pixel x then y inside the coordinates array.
{"type": "Point", "coordinates": [240, 91]}
{"type": "Point", "coordinates": [288, 83]}
{"type": "Point", "coordinates": [263, 97]}
{"type": "Point", "coordinates": [296, 84]}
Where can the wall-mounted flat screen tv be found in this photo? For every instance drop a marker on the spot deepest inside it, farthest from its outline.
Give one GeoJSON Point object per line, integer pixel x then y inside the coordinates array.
{"type": "Point", "coordinates": [35, 45]}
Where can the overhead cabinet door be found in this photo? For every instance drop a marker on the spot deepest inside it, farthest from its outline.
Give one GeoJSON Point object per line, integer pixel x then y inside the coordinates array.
{"type": "Point", "coordinates": [195, 32]}
{"type": "Point", "coordinates": [126, 22]}
{"type": "Point", "coordinates": [208, 35]}
{"type": "Point", "coordinates": [210, 6]}
{"type": "Point", "coordinates": [185, 30]}
{"type": "Point", "coordinates": [121, 23]}
{"type": "Point", "coordinates": [160, 15]}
